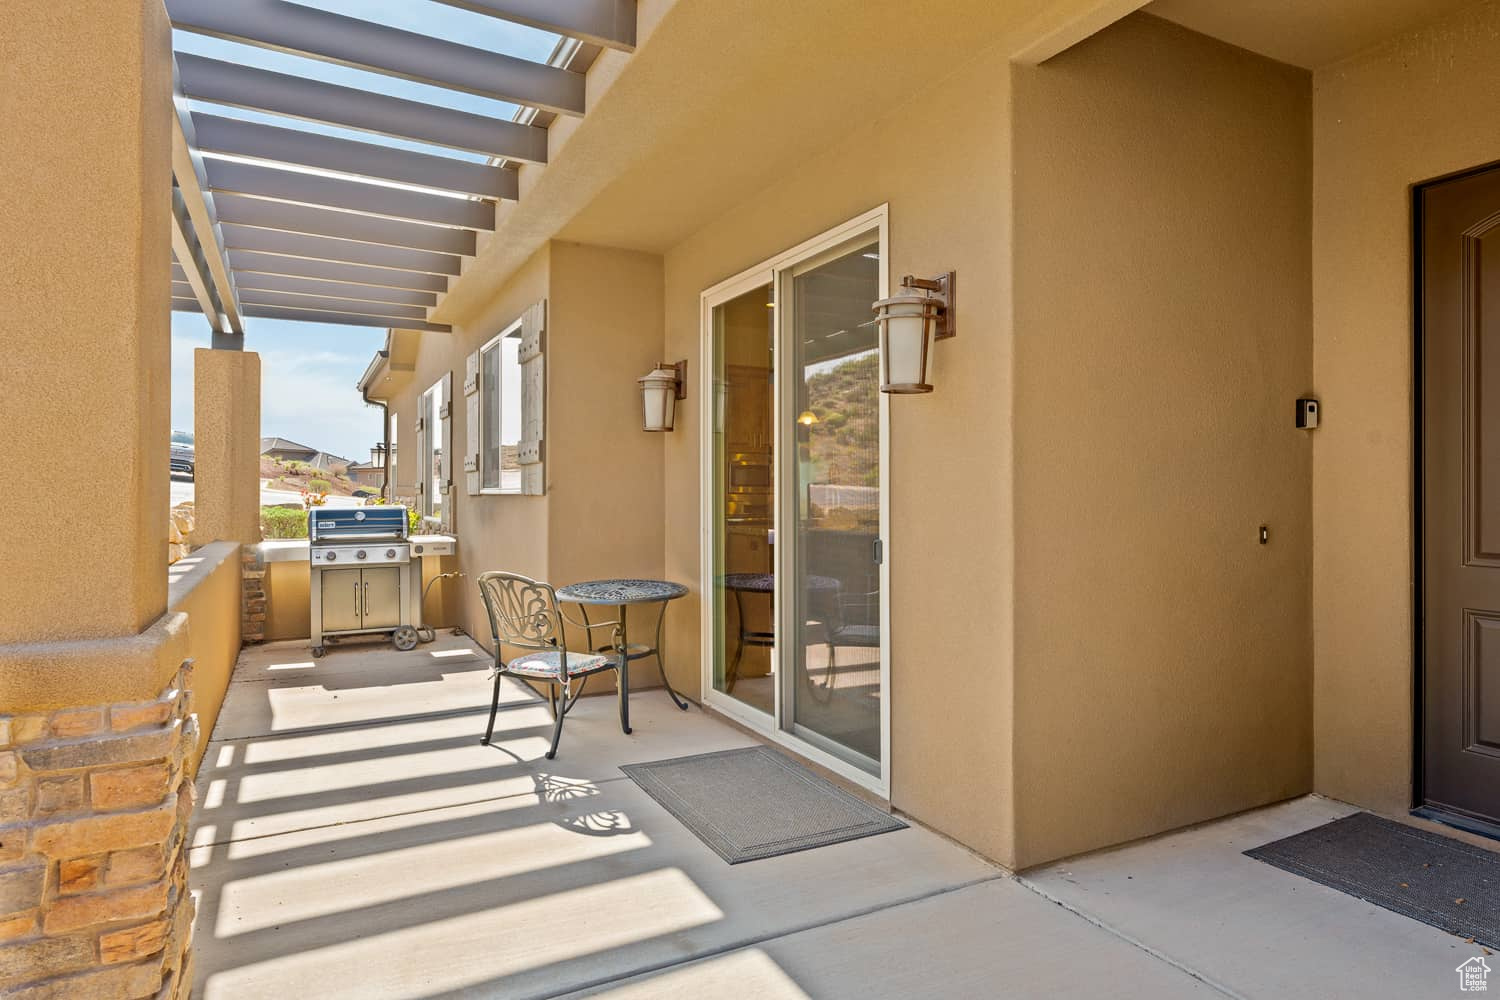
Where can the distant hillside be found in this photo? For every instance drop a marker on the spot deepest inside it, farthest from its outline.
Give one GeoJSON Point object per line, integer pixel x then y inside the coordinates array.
{"type": "Point", "coordinates": [845, 442]}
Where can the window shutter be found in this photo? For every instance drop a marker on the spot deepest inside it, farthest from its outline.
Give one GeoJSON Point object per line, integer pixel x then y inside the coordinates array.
{"type": "Point", "coordinates": [533, 399]}
{"type": "Point", "coordinates": [422, 453]}
{"type": "Point", "coordinates": [471, 423]}
{"type": "Point", "coordinates": [445, 439]}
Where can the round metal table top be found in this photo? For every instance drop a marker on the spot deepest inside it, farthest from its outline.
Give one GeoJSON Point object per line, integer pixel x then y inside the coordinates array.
{"type": "Point", "coordinates": [621, 592]}
{"type": "Point", "coordinates": [765, 583]}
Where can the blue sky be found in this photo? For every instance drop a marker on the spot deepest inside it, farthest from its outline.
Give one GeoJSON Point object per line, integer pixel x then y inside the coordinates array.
{"type": "Point", "coordinates": [309, 371]}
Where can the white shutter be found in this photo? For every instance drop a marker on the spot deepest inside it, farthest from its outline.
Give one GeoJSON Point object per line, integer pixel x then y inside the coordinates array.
{"type": "Point", "coordinates": [533, 400]}
{"type": "Point", "coordinates": [445, 436]}
{"type": "Point", "coordinates": [471, 423]}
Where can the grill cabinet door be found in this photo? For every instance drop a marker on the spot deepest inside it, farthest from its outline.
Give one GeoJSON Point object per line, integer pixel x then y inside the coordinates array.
{"type": "Point", "coordinates": [341, 599]}
{"type": "Point", "coordinates": [382, 596]}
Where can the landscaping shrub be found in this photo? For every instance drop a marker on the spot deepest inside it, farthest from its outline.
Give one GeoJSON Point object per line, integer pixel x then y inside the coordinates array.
{"type": "Point", "coordinates": [283, 522]}
{"type": "Point", "coordinates": [319, 485]}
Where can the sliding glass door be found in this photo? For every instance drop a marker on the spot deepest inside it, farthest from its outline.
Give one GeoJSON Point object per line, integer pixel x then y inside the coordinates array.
{"type": "Point", "coordinates": [831, 398]}
{"type": "Point", "coordinates": [794, 501]}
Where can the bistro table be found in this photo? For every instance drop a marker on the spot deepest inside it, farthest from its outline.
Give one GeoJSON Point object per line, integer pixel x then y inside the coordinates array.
{"type": "Point", "coordinates": [619, 594]}
{"type": "Point", "coordinates": [825, 587]}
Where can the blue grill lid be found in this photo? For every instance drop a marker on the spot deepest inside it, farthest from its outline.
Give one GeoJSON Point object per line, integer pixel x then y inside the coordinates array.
{"type": "Point", "coordinates": [328, 523]}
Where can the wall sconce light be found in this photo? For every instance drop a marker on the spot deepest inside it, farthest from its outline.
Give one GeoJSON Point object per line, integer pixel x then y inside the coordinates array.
{"type": "Point", "coordinates": [661, 388]}
{"type": "Point", "coordinates": [909, 323]}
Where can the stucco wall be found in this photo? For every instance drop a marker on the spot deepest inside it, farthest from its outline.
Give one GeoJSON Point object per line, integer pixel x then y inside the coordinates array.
{"type": "Point", "coordinates": [950, 541]}
{"type": "Point", "coordinates": [601, 515]}
{"type": "Point", "coordinates": [1424, 104]}
{"type": "Point", "coordinates": [206, 587]}
{"type": "Point", "coordinates": [1163, 331]}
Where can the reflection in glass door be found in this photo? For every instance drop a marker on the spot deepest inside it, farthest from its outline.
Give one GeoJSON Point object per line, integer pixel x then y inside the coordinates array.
{"type": "Point", "coordinates": [743, 493]}
{"type": "Point", "coordinates": [831, 429]}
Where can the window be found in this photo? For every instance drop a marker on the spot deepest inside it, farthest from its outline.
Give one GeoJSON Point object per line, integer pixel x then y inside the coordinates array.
{"type": "Point", "coordinates": [500, 412]}
{"type": "Point", "coordinates": [431, 416]}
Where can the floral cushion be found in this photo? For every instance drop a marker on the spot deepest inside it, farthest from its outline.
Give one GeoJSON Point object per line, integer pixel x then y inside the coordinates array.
{"type": "Point", "coordinates": [548, 664]}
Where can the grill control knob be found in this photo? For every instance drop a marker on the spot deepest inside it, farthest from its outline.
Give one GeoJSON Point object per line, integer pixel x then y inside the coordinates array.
{"type": "Point", "coordinates": [390, 553]}
{"type": "Point", "coordinates": [331, 556]}
{"type": "Point", "coordinates": [360, 554]}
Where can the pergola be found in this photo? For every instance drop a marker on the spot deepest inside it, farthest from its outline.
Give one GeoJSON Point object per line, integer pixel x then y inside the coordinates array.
{"type": "Point", "coordinates": [283, 223]}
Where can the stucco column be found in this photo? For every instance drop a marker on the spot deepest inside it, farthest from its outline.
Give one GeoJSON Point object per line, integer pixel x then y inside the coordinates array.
{"type": "Point", "coordinates": [97, 724]}
{"type": "Point", "coordinates": [226, 436]}
{"type": "Point", "coordinates": [84, 317]}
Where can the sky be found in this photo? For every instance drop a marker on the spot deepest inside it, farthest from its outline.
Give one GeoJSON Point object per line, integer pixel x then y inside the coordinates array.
{"type": "Point", "coordinates": [309, 371]}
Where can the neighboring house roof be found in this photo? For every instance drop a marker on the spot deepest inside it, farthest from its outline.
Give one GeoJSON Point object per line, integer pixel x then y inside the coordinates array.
{"type": "Point", "coordinates": [324, 460]}
{"type": "Point", "coordinates": [364, 466]}
{"type": "Point", "coordinates": [270, 444]}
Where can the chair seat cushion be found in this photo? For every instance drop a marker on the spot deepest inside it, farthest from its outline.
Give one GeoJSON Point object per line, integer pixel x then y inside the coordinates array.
{"type": "Point", "coordinates": [548, 664]}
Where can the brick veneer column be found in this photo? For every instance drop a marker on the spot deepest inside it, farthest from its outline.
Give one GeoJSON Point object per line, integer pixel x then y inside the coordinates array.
{"type": "Point", "coordinates": [253, 575]}
{"type": "Point", "coordinates": [94, 809]}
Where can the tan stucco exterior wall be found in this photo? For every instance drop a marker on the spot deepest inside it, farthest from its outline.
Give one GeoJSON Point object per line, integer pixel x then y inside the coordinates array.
{"type": "Point", "coordinates": [1424, 104]}
{"type": "Point", "coordinates": [950, 545]}
{"type": "Point", "coordinates": [226, 430]}
{"type": "Point", "coordinates": [206, 587]}
{"type": "Point", "coordinates": [602, 513]}
{"type": "Point", "coordinates": [288, 613]}
{"type": "Point", "coordinates": [84, 338]}
{"type": "Point", "coordinates": [1163, 331]}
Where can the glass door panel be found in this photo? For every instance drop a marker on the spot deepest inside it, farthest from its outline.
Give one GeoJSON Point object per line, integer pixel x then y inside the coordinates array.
{"type": "Point", "coordinates": [831, 413]}
{"type": "Point", "coordinates": [743, 493]}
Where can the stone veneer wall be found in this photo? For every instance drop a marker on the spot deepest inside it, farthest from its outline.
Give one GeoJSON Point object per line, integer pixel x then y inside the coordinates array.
{"type": "Point", "coordinates": [94, 809]}
{"type": "Point", "coordinates": [253, 623]}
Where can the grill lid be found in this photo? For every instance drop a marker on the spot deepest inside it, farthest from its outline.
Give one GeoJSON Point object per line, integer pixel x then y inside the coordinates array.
{"type": "Point", "coordinates": [342, 524]}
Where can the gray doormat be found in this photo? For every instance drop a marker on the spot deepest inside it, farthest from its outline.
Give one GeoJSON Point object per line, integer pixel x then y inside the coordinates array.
{"type": "Point", "coordinates": [1437, 880]}
{"type": "Point", "coordinates": [755, 803]}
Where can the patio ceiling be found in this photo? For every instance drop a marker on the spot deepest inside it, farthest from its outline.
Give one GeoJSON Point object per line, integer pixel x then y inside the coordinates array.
{"type": "Point", "coordinates": [334, 168]}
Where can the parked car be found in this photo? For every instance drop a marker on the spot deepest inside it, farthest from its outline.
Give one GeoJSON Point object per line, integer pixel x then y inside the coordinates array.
{"type": "Point", "coordinates": [182, 452]}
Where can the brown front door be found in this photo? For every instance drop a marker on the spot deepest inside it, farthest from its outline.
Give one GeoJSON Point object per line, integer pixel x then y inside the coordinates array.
{"type": "Point", "coordinates": [1460, 440]}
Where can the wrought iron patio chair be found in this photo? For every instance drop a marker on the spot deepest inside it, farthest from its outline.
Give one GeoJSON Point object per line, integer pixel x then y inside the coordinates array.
{"type": "Point", "coordinates": [524, 614]}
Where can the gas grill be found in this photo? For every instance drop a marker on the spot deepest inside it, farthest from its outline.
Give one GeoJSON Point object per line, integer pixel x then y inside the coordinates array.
{"type": "Point", "coordinates": [362, 575]}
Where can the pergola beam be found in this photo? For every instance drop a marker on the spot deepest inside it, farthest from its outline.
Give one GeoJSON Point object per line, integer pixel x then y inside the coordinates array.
{"type": "Point", "coordinates": [366, 159]}
{"type": "Point", "coordinates": [187, 169]}
{"type": "Point", "coordinates": [345, 319]}
{"type": "Point", "coordinates": [248, 281]}
{"type": "Point", "coordinates": [320, 190]}
{"type": "Point", "coordinates": [610, 23]}
{"type": "Point", "coordinates": [340, 251]}
{"type": "Point", "coordinates": [231, 84]}
{"type": "Point", "coordinates": [247, 263]}
{"type": "Point", "coordinates": [358, 307]}
{"type": "Point", "coordinates": [349, 41]}
{"type": "Point", "coordinates": [190, 261]}
{"type": "Point", "coordinates": [287, 218]}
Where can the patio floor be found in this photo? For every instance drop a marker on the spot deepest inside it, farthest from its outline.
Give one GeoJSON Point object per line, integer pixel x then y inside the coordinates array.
{"type": "Point", "coordinates": [353, 839]}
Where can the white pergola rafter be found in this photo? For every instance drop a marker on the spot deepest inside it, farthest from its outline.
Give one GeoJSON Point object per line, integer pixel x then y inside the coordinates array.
{"type": "Point", "coordinates": [287, 222]}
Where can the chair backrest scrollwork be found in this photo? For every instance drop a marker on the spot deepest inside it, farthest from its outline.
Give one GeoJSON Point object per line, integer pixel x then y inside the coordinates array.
{"type": "Point", "coordinates": [523, 612]}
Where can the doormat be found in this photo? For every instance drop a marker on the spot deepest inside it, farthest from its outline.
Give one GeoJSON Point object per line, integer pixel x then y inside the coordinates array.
{"type": "Point", "coordinates": [755, 803]}
{"type": "Point", "coordinates": [1437, 880]}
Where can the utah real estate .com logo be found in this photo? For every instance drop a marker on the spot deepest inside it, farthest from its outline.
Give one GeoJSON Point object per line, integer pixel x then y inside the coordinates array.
{"type": "Point", "coordinates": [1473, 976]}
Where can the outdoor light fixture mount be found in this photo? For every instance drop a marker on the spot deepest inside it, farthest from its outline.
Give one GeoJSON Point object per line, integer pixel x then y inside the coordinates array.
{"type": "Point", "coordinates": [909, 323]}
{"type": "Point", "coordinates": [660, 389]}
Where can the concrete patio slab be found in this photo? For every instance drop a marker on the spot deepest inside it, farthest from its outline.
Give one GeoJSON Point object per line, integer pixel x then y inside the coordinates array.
{"type": "Point", "coordinates": [567, 886]}
{"type": "Point", "coordinates": [354, 839]}
{"type": "Point", "coordinates": [1194, 899]}
{"type": "Point", "coordinates": [370, 758]}
{"type": "Point", "coordinates": [990, 940]}
{"type": "Point", "coordinates": [279, 687]}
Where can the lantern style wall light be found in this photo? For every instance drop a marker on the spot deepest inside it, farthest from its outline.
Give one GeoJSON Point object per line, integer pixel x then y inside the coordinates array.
{"type": "Point", "coordinates": [661, 388]}
{"type": "Point", "coordinates": [909, 324]}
